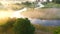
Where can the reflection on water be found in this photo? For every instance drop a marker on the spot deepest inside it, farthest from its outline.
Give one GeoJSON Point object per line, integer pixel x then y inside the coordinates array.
{"type": "Point", "coordinates": [46, 22]}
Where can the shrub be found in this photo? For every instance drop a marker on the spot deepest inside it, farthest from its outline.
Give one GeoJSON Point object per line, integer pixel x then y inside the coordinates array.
{"type": "Point", "coordinates": [23, 26]}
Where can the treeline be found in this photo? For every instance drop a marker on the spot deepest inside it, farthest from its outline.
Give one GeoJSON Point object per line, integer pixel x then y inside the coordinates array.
{"type": "Point", "coordinates": [56, 1]}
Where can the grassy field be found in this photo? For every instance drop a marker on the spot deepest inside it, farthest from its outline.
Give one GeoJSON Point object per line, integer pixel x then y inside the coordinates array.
{"type": "Point", "coordinates": [47, 29]}
{"type": "Point", "coordinates": [44, 13]}
{"type": "Point", "coordinates": [44, 29]}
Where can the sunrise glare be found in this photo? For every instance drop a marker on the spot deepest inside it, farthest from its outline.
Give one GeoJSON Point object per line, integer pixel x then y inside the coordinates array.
{"type": "Point", "coordinates": [4, 14]}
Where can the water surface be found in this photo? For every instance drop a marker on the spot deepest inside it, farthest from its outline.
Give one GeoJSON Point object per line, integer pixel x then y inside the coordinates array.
{"type": "Point", "coordinates": [46, 22]}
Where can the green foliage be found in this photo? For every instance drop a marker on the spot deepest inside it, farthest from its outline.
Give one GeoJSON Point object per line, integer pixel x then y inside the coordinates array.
{"type": "Point", "coordinates": [23, 26]}
{"type": "Point", "coordinates": [57, 30]}
{"type": "Point", "coordinates": [27, 4]}
{"type": "Point", "coordinates": [16, 6]}
{"type": "Point", "coordinates": [52, 5]}
{"type": "Point", "coordinates": [56, 1]}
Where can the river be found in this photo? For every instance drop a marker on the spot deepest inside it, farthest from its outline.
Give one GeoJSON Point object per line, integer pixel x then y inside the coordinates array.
{"type": "Point", "coordinates": [46, 22]}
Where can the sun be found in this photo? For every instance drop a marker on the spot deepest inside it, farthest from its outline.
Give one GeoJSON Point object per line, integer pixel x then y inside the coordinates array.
{"type": "Point", "coordinates": [4, 14]}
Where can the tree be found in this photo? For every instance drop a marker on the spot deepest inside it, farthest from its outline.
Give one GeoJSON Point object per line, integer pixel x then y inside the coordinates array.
{"type": "Point", "coordinates": [56, 1]}
{"type": "Point", "coordinates": [23, 26]}
{"type": "Point", "coordinates": [27, 4]}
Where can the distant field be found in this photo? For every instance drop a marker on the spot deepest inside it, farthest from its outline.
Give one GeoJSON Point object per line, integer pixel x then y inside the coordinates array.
{"type": "Point", "coordinates": [44, 13]}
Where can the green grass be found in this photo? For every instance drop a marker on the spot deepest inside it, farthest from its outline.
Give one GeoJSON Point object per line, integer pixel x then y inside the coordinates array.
{"type": "Point", "coordinates": [52, 5]}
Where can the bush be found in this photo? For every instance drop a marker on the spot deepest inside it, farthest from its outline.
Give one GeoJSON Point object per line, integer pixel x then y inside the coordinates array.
{"type": "Point", "coordinates": [23, 26]}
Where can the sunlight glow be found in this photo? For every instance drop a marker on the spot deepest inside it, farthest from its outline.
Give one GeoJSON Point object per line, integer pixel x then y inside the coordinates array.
{"type": "Point", "coordinates": [4, 14]}
{"type": "Point", "coordinates": [16, 15]}
{"type": "Point", "coordinates": [12, 14]}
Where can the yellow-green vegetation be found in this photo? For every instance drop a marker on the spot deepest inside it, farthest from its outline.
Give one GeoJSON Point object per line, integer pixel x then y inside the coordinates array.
{"type": "Point", "coordinates": [46, 29]}
{"type": "Point", "coordinates": [15, 6]}
{"type": "Point", "coordinates": [52, 5]}
{"type": "Point", "coordinates": [29, 4]}
{"type": "Point", "coordinates": [57, 30]}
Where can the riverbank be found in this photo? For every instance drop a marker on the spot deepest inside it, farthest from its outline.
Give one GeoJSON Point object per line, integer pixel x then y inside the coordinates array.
{"type": "Point", "coordinates": [44, 13]}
